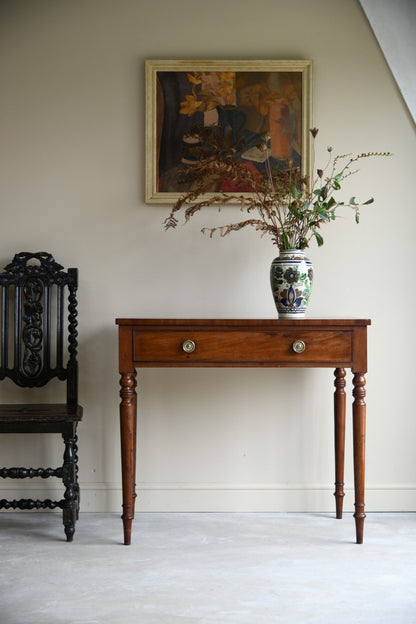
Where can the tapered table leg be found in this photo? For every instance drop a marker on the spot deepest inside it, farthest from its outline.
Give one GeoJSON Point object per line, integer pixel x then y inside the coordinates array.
{"type": "Point", "coordinates": [134, 443]}
{"type": "Point", "coordinates": [128, 420]}
{"type": "Point", "coordinates": [339, 432]}
{"type": "Point", "coordinates": [359, 415]}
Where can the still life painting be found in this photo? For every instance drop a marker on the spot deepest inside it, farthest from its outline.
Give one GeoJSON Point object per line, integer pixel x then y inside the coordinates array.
{"type": "Point", "coordinates": [195, 106]}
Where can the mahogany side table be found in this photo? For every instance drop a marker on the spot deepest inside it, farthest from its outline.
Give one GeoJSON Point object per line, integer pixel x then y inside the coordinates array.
{"type": "Point", "coordinates": [314, 343]}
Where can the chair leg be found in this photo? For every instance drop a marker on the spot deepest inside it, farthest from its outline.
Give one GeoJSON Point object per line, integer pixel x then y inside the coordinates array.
{"type": "Point", "coordinates": [70, 480]}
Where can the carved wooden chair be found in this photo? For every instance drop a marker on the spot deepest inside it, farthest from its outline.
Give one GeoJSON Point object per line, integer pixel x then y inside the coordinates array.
{"type": "Point", "coordinates": [39, 343]}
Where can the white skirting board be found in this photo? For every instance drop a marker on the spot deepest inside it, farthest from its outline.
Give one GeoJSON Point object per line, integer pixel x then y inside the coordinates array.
{"type": "Point", "coordinates": [211, 497]}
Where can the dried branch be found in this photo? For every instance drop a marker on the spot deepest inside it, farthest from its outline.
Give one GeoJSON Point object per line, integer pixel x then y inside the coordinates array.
{"type": "Point", "coordinates": [288, 209]}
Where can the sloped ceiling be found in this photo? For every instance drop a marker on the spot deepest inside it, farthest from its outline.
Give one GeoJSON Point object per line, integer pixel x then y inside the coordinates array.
{"type": "Point", "coordinates": [394, 25]}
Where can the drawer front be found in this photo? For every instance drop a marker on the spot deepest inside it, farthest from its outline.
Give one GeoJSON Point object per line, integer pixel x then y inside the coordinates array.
{"type": "Point", "coordinates": [240, 348]}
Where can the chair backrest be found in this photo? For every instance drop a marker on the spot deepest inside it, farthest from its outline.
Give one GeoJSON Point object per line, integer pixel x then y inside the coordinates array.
{"type": "Point", "coordinates": [37, 343]}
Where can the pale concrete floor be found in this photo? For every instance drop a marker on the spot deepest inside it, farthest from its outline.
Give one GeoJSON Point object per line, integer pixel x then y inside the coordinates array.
{"type": "Point", "coordinates": [208, 569]}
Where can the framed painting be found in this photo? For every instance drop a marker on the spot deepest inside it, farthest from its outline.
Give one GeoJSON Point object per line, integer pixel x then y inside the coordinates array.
{"type": "Point", "coordinates": [253, 102]}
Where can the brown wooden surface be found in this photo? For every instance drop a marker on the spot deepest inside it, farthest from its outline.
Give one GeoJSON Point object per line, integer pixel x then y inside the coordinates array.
{"type": "Point", "coordinates": [339, 434]}
{"type": "Point", "coordinates": [128, 431]}
{"type": "Point", "coordinates": [240, 348]}
{"type": "Point", "coordinates": [335, 343]}
{"type": "Point", "coordinates": [359, 417]}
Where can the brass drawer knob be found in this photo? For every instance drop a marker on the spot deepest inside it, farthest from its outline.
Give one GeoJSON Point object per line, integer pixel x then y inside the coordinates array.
{"type": "Point", "coordinates": [298, 346]}
{"type": "Point", "coordinates": [189, 346]}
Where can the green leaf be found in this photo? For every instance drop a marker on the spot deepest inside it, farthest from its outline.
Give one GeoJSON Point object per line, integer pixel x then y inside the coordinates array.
{"type": "Point", "coordinates": [332, 202]}
{"type": "Point", "coordinates": [321, 192]}
{"type": "Point", "coordinates": [295, 193]}
{"type": "Point", "coordinates": [286, 241]}
{"type": "Point", "coordinates": [369, 201]}
{"type": "Point", "coordinates": [319, 239]}
{"type": "Point", "coordinates": [293, 209]}
{"type": "Point", "coordinates": [353, 201]}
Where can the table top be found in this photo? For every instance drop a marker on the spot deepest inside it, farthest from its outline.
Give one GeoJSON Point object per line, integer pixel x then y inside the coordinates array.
{"type": "Point", "coordinates": [249, 322]}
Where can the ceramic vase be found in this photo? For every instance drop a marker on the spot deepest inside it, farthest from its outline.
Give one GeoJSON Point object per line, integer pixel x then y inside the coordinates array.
{"type": "Point", "coordinates": [291, 276]}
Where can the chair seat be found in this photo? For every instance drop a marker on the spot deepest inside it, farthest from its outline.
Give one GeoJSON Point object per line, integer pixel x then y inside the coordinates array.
{"type": "Point", "coordinates": [15, 413]}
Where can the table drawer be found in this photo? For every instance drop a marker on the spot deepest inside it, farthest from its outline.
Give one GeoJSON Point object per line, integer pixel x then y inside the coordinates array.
{"type": "Point", "coordinates": [240, 348]}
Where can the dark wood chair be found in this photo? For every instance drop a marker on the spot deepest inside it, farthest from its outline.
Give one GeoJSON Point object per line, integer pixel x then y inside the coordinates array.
{"type": "Point", "coordinates": [39, 344]}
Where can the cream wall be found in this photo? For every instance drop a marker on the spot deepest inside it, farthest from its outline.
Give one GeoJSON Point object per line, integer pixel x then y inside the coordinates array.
{"type": "Point", "coordinates": [72, 182]}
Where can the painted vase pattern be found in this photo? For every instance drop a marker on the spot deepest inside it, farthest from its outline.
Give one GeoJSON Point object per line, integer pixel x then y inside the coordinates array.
{"type": "Point", "coordinates": [291, 276]}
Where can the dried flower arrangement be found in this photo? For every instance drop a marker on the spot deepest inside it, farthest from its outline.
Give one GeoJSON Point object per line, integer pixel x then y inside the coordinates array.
{"type": "Point", "coordinates": [284, 205]}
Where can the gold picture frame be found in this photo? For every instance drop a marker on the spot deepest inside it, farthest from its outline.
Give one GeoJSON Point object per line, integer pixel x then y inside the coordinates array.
{"type": "Point", "coordinates": [252, 98]}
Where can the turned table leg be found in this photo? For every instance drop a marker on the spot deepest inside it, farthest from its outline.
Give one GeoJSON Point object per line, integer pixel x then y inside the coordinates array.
{"type": "Point", "coordinates": [339, 432]}
{"type": "Point", "coordinates": [128, 420]}
{"type": "Point", "coordinates": [359, 414]}
{"type": "Point", "coordinates": [134, 443]}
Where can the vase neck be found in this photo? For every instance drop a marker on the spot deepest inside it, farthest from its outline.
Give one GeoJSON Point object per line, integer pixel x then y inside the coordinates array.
{"type": "Point", "coordinates": [288, 253]}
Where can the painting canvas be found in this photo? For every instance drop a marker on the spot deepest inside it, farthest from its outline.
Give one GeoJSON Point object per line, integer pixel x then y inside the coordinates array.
{"type": "Point", "coordinates": [251, 103]}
